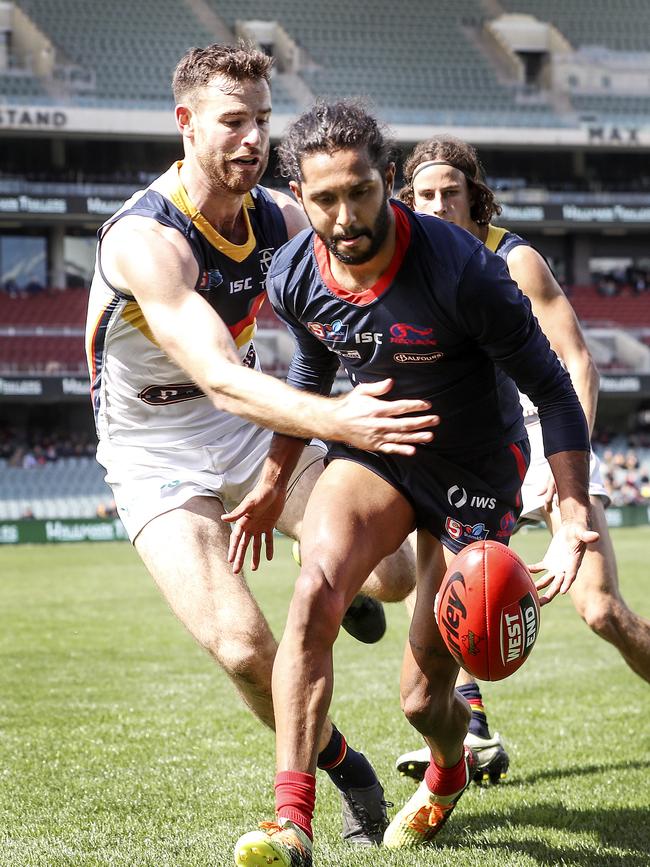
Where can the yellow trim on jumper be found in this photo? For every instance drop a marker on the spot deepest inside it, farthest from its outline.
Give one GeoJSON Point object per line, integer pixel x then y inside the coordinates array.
{"type": "Point", "coordinates": [135, 317]}
{"type": "Point", "coordinates": [494, 237]}
{"type": "Point", "coordinates": [236, 252]}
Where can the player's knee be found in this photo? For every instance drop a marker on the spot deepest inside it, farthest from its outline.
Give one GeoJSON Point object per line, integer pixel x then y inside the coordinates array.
{"type": "Point", "coordinates": [316, 608]}
{"type": "Point", "coordinates": [247, 659]}
{"type": "Point", "coordinates": [394, 578]}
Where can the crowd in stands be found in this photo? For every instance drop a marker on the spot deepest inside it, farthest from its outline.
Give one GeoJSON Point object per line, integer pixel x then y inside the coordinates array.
{"type": "Point", "coordinates": [36, 447]}
{"type": "Point", "coordinates": [633, 281]}
{"type": "Point", "coordinates": [625, 467]}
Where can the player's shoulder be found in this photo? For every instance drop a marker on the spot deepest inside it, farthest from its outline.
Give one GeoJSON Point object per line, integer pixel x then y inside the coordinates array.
{"type": "Point", "coordinates": [288, 208]}
{"type": "Point", "coordinates": [447, 244]}
{"type": "Point", "coordinates": [292, 255]}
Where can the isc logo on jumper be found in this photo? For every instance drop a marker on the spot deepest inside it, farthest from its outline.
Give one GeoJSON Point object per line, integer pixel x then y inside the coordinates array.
{"type": "Point", "coordinates": [337, 332]}
{"type": "Point", "coordinates": [411, 335]}
{"type": "Point", "coordinates": [518, 629]}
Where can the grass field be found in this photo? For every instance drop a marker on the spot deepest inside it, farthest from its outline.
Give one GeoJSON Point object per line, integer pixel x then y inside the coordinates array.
{"type": "Point", "coordinates": [122, 744]}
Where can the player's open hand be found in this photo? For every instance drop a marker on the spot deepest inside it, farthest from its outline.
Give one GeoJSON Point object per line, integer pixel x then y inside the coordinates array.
{"type": "Point", "coordinates": [549, 492]}
{"type": "Point", "coordinates": [254, 520]}
{"type": "Point", "coordinates": [562, 559]}
{"type": "Point", "coordinates": [388, 426]}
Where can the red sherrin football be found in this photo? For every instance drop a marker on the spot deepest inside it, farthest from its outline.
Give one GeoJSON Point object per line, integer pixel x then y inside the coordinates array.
{"type": "Point", "coordinates": [487, 610]}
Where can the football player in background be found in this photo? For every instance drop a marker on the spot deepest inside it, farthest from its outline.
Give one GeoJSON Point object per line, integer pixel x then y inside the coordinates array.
{"type": "Point", "coordinates": [444, 178]}
{"type": "Point", "coordinates": [386, 292]}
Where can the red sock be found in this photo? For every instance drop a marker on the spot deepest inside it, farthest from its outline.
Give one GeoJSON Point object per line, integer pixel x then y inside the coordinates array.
{"type": "Point", "coordinates": [295, 796]}
{"type": "Point", "coordinates": [446, 781]}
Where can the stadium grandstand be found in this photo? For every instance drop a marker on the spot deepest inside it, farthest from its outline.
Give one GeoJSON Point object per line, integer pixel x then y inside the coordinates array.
{"type": "Point", "coordinates": [552, 92]}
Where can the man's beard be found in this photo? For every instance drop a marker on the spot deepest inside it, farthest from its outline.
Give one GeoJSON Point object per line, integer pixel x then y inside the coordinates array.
{"type": "Point", "coordinates": [224, 174]}
{"type": "Point", "coordinates": [377, 236]}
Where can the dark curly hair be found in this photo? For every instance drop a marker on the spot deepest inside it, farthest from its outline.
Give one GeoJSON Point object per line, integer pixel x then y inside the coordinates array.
{"type": "Point", "coordinates": [329, 127]}
{"type": "Point", "coordinates": [462, 156]}
{"type": "Point", "coordinates": [199, 66]}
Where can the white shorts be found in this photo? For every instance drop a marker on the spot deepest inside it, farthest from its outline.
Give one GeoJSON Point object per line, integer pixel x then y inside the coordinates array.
{"type": "Point", "coordinates": [539, 472]}
{"type": "Point", "coordinates": [148, 482]}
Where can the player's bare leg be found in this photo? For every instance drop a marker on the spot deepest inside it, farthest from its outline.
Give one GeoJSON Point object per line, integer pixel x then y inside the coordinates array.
{"type": "Point", "coordinates": [344, 537]}
{"type": "Point", "coordinates": [597, 598]}
{"type": "Point", "coordinates": [186, 552]}
{"type": "Point", "coordinates": [392, 580]}
{"type": "Point", "coordinates": [432, 705]}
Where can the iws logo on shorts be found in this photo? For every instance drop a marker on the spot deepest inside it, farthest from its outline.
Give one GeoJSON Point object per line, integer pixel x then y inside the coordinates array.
{"type": "Point", "coordinates": [457, 497]}
{"type": "Point", "coordinates": [518, 628]}
{"type": "Point", "coordinates": [162, 395]}
{"type": "Point", "coordinates": [337, 332]}
{"type": "Point", "coordinates": [417, 357]}
{"type": "Point", "coordinates": [411, 335]}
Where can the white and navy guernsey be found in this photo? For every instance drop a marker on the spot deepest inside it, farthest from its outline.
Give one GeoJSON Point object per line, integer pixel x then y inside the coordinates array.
{"type": "Point", "coordinates": [445, 321]}
{"type": "Point", "coordinates": [140, 396]}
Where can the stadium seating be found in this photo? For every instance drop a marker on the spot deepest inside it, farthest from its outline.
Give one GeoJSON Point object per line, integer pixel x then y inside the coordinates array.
{"type": "Point", "coordinates": [19, 88]}
{"type": "Point", "coordinates": [51, 308]}
{"type": "Point", "coordinates": [67, 488]}
{"type": "Point", "coordinates": [131, 47]}
{"type": "Point", "coordinates": [625, 309]}
{"type": "Point", "coordinates": [621, 26]}
{"type": "Point", "coordinates": [362, 54]}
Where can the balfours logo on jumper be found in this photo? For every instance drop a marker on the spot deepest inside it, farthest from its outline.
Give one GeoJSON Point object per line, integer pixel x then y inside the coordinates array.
{"type": "Point", "coordinates": [417, 357]}
{"type": "Point", "coordinates": [411, 335]}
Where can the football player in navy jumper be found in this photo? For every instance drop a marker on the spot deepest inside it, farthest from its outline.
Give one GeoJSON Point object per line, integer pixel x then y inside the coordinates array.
{"type": "Point", "coordinates": [388, 293]}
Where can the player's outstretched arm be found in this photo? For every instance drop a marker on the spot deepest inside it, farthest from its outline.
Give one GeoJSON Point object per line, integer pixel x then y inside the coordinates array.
{"type": "Point", "coordinates": [566, 550]}
{"type": "Point", "coordinates": [255, 518]}
{"type": "Point", "coordinates": [157, 265]}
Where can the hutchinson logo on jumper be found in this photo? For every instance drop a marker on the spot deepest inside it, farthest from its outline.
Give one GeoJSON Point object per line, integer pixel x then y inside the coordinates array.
{"type": "Point", "coordinates": [210, 280]}
{"type": "Point", "coordinates": [337, 332]}
{"type": "Point", "coordinates": [411, 335]}
{"type": "Point", "coordinates": [518, 629]}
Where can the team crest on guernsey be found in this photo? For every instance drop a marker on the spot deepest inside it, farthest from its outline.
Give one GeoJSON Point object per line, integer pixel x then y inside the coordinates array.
{"type": "Point", "coordinates": [210, 280]}
{"type": "Point", "coordinates": [337, 332]}
{"type": "Point", "coordinates": [265, 259]}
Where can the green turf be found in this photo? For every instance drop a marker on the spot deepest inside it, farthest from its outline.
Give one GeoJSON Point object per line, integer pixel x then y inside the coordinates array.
{"type": "Point", "coordinates": [121, 743]}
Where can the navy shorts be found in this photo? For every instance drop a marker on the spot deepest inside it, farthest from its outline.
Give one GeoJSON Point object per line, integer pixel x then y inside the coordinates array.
{"type": "Point", "coordinates": [459, 499]}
